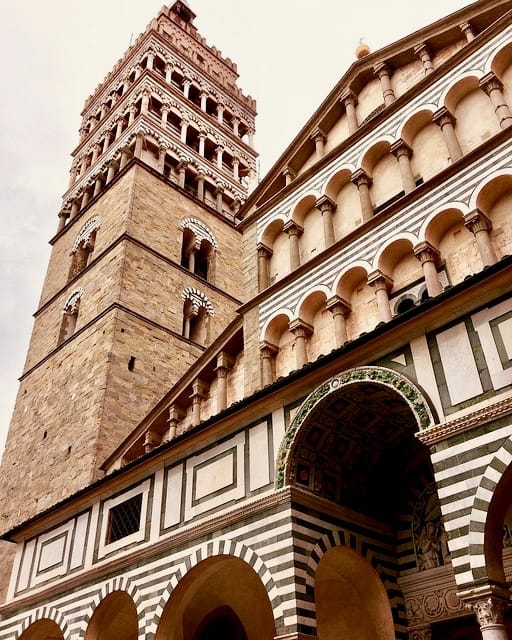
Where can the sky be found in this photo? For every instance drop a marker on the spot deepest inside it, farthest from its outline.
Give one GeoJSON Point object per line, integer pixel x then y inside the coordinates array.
{"type": "Point", "coordinates": [290, 54]}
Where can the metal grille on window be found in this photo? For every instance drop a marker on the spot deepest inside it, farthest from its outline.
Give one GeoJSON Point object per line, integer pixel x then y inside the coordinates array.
{"type": "Point", "coordinates": [124, 519]}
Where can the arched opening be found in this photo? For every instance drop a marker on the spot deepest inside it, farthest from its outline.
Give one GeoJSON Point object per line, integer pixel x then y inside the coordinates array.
{"type": "Point", "coordinates": [43, 630]}
{"type": "Point", "coordinates": [220, 598]}
{"type": "Point", "coordinates": [115, 618]}
{"type": "Point", "coordinates": [351, 601]}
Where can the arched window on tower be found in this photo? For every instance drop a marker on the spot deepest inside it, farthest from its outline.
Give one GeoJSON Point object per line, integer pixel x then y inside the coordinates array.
{"type": "Point", "coordinates": [198, 249]}
{"type": "Point", "coordinates": [197, 310]}
{"type": "Point", "coordinates": [83, 247]}
{"type": "Point", "coordinates": [70, 315]}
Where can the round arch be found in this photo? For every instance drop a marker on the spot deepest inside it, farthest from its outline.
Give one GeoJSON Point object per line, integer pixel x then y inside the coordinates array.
{"type": "Point", "coordinates": [43, 629]}
{"type": "Point", "coordinates": [224, 590]}
{"type": "Point", "coordinates": [407, 392]}
{"type": "Point", "coordinates": [114, 618]}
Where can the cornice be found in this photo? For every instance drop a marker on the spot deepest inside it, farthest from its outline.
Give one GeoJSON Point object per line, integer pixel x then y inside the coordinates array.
{"type": "Point", "coordinates": [446, 430]}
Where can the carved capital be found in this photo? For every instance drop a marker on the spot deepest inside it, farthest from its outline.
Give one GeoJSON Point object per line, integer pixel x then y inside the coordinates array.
{"type": "Point", "coordinates": [337, 305]}
{"type": "Point", "coordinates": [300, 328]}
{"type": "Point", "coordinates": [477, 221]}
{"type": "Point", "coordinates": [318, 135]}
{"type": "Point", "coordinates": [268, 350]}
{"type": "Point", "coordinates": [442, 116]}
{"type": "Point", "coordinates": [263, 250]}
{"type": "Point", "coordinates": [200, 389]}
{"type": "Point", "coordinates": [490, 82]}
{"type": "Point", "coordinates": [488, 611]}
{"type": "Point", "coordinates": [401, 148]}
{"type": "Point", "coordinates": [382, 69]}
{"type": "Point", "coordinates": [379, 280]}
{"type": "Point", "coordinates": [293, 229]}
{"type": "Point", "coordinates": [360, 177]}
{"type": "Point", "coordinates": [324, 203]}
{"type": "Point", "coordinates": [425, 252]}
{"type": "Point", "coordinates": [348, 97]}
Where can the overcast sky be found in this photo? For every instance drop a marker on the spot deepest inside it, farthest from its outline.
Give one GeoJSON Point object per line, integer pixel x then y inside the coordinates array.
{"type": "Point", "coordinates": [290, 53]}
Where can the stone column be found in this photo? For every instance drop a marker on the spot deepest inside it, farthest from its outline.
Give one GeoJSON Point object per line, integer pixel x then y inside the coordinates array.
{"type": "Point", "coordinates": [63, 216]}
{"type": "Point", "coordinates": [176, 415]}
{"type": "Point", "coordinates": [293, 230]}
{"type": "Point", "coordinates": [85, 198]}
{"type": "Point", "coordinates": [264, 255]}
{"type": "Point", "coordinates": [112, 168]}
{"type": "Point", "coordinates": [220, 113]}
{"type": "Point", "coordinates": [446, 121]}
{"type": "Point", "coordinates": [490, 613]}
{"type": "Point", "coordinates": [289, 175]}
{"type": "Point", "coordinates": [340, 309]}
{"type": "Point", "coordinates": [383, 73]}
{"type": "Point", "coordinates": [75, 208]}
{"type": "Point", "coordinates": [119, 127]}
{"type": "Point", "coordinates": [165, 114]}
{"type": "Point", "coordinates": [202, 140]}
{"type": "Point", "coordinates": [168, 73]}
{"type": "Point", "coordinates": [403, 152]}
{"type": "Point", "coordinates": [236, 124]}
{"type": "Point", "coordinates": [139, 145]}
{"type": "Point", "coordinates": [131, 114]}
{"type": "Point", "coordinates": [203, 96]}
{"type": "Point", "coordinates": [219, 192]}
{"type": "Point", "coordinates": [199, 392]}
{"type": "Point", "coordinates": [162, 150]}
{"type": "Point", "coordinates": [268, 352]}
{"type": "Point", "coordinates": [220, 152]}
{"type": "Point", "coordinates": [124, 157]}
{"type": "Point", "coordinates": [183, 134]}
{"type": "Point", "coordinates": [423, 53]}
{"type": "Point", "coordinates": [95, 152]}
{"type": "Point", "coordinates": [151, 441]}
{"type": "Point", "coordinates": [224, 364]}
{"type": "Point", "coordinates": [182, 167]}
{"type": "Point", "coordinates": [429, 259]}
{"type": "Point", "coordinates": [382, 284]}
{"type": "Point", "coordinates": [150, 59]}
{"type": "Point", "coordinates": [250, 134]}
{"type": "Point", "coordinates": [327, 207]}
{"type": "Point", "coordinates": [301, 330]}
{"type": "Point", "coordinates": [138, 71]}
{"type": "Point", "coordinates": [319, 139]}
{"type": "Point", "coordinates": [106, 141]}
{"type": "Point", "coordinates": [363, 182]}
{"type": "Point", "coordinates": [480, 226]}
{"type": "Point", "coordinates": [494, 89]}
{"type": "Point", "coordinates": [72, 176]}
{"type": "Point", "coordinates": [144, 103]}
{"type": "Point", "coordinates": [467, 30]}
{"type": "Point", "coordinates": [97, 186]}
{"type": "Point", "coordinates": [186, 87]}
{"type": "Point", "coordinates": [236, 164]}
{"type": "Point", "coordinates": [349, 100]}
{"type": "Point", "coordinates": [200, 186]}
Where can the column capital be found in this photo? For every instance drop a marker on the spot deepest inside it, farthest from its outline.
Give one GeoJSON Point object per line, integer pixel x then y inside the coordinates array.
{"type": "Point", "coordinates": [289, 174]}
{"type": "Point", "coordinates": [490, 82]}
{"type": "Point", "coordinates": [477, 221]}
{"type": "Point", "coordinates": [467, 30]}
{"type": "Point", "coordinates": [263, 250]}
{"type": "Point", "coordinates": [348, 96]}
{"type": "Point", "coordinates": [292, 228]}
{"type": "Point", "coordinates": [443, 116]}
{"type": "Point", "coordinates": [382, 69]}
{"type": "Point", "coordinates": [318, 134]}
{"type": "Point", "coordinates": [151, 440]}
{"type": "Point", "coordinates": [268, 350]}
{"type": "Point", "coordinates": [401, 148]}
{"type": "Point", "coordinates": [224, 361]}
{"type": "Point", "coordinates": [422, 49]}
{"type": "Point", "coordinates": [336, 304]}
{"type": "Point", "coordinates": [324, 203]}
{"type": "Point", "coordinates": [489, 611]}
{"type": "Point", "coordinates": [379, 280]}
{"type": "Point", "coordinates": [425, 252]}
{"type": "Point", "coordinates": [361, 177]}
{"type": "Point", "coordinates": [421, 632]}
{"type": "Point", "coordinates": [300, 328]}
{"type": "Point", "coordinates": [200, 389]}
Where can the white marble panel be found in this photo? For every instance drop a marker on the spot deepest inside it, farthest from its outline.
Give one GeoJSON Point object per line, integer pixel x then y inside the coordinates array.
{"type": "Point", "coordinates": [79, 541]}
{"type": "Point", "coordinates": [500, 377]}
{"type": "Point", "coordinates": [26, 566]}
{"type": "Point", "coordinates": [459, 364]}
{"type": "Point", "coordinates": [174, 484]}
{"type": "Point", "coordinates": [259, 468]}
{"type": "Point", "coordinates": [215, 475]}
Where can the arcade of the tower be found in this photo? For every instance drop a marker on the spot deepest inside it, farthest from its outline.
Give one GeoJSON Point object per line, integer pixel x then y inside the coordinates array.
{"type": "Point", "coordinates": [184, 118]}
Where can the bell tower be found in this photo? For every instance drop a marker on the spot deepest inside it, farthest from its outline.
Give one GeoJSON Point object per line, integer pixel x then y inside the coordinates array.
{"type": "Point", "coordinates": [145, 269]}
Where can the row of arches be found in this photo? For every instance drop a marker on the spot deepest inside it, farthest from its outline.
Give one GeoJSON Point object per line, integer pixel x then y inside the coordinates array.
{"type": "Point", "coordinates": [183, 171]}
{"type": "Point", "coordinates": [176, 76]}
{"type": "Point", "coordinates": [453, 243]}
{"type": "Point", "coordinates": [356, 192]}
{"type": "Point", "coordinates": [170, 119]}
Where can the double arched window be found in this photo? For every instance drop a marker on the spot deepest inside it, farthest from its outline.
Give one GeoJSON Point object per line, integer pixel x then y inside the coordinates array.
{"type": "Point", "coordinates": [83, 247]}
{"type": "Point", "coordinates": [198, 249]}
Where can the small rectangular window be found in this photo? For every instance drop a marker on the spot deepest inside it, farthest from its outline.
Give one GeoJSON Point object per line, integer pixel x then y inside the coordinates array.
{"type": "Point", "coordinates": [124, 519]}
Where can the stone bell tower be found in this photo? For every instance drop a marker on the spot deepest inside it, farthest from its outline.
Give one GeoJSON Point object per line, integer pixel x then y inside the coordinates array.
{"type": "Point", "coordinates": [146, 262]}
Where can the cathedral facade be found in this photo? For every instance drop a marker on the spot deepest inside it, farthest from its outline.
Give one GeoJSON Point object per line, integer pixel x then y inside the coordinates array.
{"type": "Point", "coordinates": [283, 410]}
